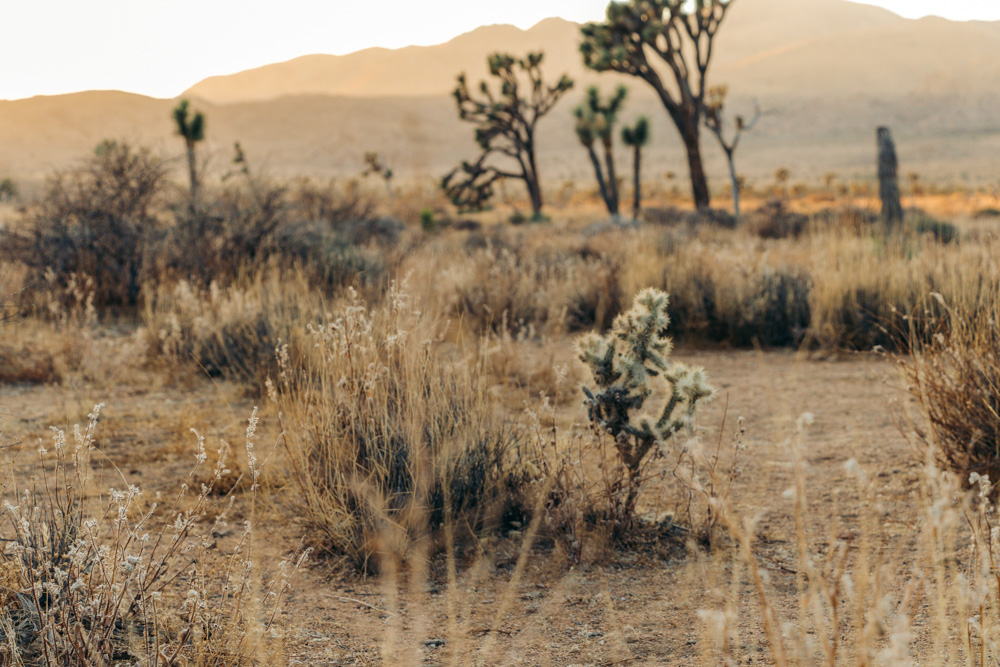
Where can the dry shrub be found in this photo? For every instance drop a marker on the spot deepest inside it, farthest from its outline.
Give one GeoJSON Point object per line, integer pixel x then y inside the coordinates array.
{"type": "Point", "coordinates": [773, 220]}
{"type": "Point", "coordinates": [27, 365]}
{"type": "Point", "coordinates": [737, 292]}
{"type": "Point", "coordinates": [673, 216]}
{"type": "Point", "coordinates": [101, 580]}
{"type": "Point", "coordinates": [866, 288]}
{"type": "Point", "coordinates": [231, 332]}
{"type": "Point", "coordinates": [390, 441]}
{"type": "Point", "coordinates": [544, 290]}
{"type": "Point", "coordinates": [255, 221]}
{"type": "Point", "coordinates": [955, 379]}
{"type": "Point", "coordinates": [96, 221]}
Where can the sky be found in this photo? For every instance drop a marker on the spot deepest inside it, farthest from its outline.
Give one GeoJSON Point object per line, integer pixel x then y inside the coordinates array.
{"type": "Point", "coordinates": [162, 47]}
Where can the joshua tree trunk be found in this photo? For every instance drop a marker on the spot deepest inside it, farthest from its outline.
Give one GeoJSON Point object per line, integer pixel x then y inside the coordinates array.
{"type": "Point", "coordinates": [609, 159]}
{"type": "Point", "coordinates": [531, 177]}
{"type": "Point", "coordinates": [192, 170]}
{"type": "Point", "coordinates": [600, 176]}
{"type": "Point", "coordinates": [535, 194]}
{"type": "Point", "coordinates": [888, 179]}
{"type": "Point", "coordinates": [636, 181]}
{"type": "Point", "coordinates": [692, 145]}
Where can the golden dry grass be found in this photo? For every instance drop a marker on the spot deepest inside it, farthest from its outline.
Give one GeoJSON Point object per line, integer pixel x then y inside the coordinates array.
{"type": "Point", "coordinates": [406, 442]}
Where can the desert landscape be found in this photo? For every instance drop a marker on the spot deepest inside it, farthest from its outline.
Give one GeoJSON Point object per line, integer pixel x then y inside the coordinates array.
{"type": "Point", "coordinates": [672, 342]}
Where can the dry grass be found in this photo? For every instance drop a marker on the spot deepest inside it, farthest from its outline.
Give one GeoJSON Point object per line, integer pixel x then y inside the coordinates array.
{"type": "Point", "coordinates": [390, 439]}
{"type": "Point", "coordinates": [106, 577]}
{"type": "Point", "coordinates": [405, 429]}
{"type": "Point", "coordinates": [955, 379]}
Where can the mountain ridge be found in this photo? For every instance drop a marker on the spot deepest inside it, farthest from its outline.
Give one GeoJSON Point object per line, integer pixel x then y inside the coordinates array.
{"type": "Point", "coordinates": [831, 73]}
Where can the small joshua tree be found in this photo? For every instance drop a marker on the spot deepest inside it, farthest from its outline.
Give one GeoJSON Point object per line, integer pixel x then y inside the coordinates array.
{"type": "Point", "coordinates": [624, 363]}
{"type": "Point", "coordinates": [715, 121]}
{"type": "Point", "coordinates": [595, 121]}
{"type": "Point", "coordinates": [637, 137]}
{"type": "Point", "coordinates": [192, 130]}
{"type": "Point", "coordinates": [506, 129]}
{"type": "Point", "coordinates": [8, 190]}
{"type": "Point", "coordinates": [375, 166]}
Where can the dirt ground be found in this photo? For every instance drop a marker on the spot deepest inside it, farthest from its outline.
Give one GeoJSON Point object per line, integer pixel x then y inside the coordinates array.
{"type": "Point", "coordinates": [627, 607]}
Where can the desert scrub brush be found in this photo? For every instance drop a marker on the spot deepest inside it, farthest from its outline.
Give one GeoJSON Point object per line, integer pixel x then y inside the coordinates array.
{"type": "Point", "coordinates": [626, 365]}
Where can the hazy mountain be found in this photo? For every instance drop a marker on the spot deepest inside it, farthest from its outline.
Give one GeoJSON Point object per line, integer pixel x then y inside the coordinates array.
{"type": "Point", "coordinates": [829, 71]}
{"type": "Point", "coordinates": [805, 48]}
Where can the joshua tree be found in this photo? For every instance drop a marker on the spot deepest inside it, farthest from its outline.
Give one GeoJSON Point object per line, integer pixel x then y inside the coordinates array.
{"type": "Point", "coordinates": [716, 123]}
{"type": "Point", "coordinates": [8, 189]}
{"type": "Point", "coordinates": [781, 176]}
{"type": "Point", "coordinates": [625, 366]}
{"type": "Point", "coordinates": [374, 165]}
{"type": "Point", "coordinates": [637, 137]}
{"type": "Point", "coordinates": [681, 35]}
{"type": "Point", "coordinates": [595, 121]}
{"type": "Point", "coordinates": [192, 129]}
{"type": "Point", "coordinates": [506, 125]}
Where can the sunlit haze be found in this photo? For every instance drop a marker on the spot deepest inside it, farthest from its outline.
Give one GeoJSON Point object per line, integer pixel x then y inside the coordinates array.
{"type": "Point", "coordinates": [160, 47]}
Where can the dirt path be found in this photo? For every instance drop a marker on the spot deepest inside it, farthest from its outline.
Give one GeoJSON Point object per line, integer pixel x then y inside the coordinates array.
{"type": "Point", "coordinates": [629, 608]}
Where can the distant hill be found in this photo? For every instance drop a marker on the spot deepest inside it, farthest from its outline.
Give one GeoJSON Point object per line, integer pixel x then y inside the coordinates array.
{"type": "Point", "coordinates": [830, 71]}
{"type": "Point", "coordinates": [805, 48]}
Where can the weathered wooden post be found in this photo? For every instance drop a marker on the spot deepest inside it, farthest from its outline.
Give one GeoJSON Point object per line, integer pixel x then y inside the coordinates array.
{"type": "Point", "coordinates": [888, 178]}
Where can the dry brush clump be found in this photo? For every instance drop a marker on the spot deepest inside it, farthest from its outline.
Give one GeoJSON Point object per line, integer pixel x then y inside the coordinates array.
{"type": "Point", "coordinates": [232, 331]}
{"type": "Point", "coordinates": [391, 438]}
{"type": "Point", "coordinates": [94, 223]}
{"type": "Point", "coordinates": [105, 576]}
{"type": "Point", "coordinates": [851, 603]}
{"type": "Point", "coordinates": [546, 291]}
{"type": "Point", "coordinates": [955, 380]}
{"type": "Point", "coordinates": [113, 225]}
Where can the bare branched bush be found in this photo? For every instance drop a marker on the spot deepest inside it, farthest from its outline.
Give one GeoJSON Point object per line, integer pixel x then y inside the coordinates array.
{"type": "Point", "coordinates": [389, 440]}
{"type": "Point", "coordinates": [96, 221]}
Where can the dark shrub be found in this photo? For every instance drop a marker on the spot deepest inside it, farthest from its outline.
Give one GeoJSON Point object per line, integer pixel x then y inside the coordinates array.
{"type": "Point", "coordinates": [943, 232]}
{"type": "Point", "coordinates": [94, 221]}
{"type": "Point", "coordinates": [775, 221]}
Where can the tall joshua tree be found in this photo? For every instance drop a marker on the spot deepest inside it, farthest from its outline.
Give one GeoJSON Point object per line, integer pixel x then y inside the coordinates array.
{"type": "Point", "coordinates": [595, 121]}
{"type": "Point", "coordinates": [506, 130]}
{"type": "Point", "coordinates": [192, 129]}
{"type": "Point", "coordinates": [637, 137]}
{"type": "Point", "coordinates": [680, 34]}
{"type": "Point", "coordinates": [715, 121]}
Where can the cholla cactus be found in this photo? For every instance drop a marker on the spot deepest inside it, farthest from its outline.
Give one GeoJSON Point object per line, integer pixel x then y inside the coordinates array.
{"type": "Point", "coordinates": [623, 364]}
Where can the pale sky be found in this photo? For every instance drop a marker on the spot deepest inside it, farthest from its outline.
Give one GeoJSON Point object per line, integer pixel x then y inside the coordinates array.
{"type": "Point", "coordinates": [161, 47]}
